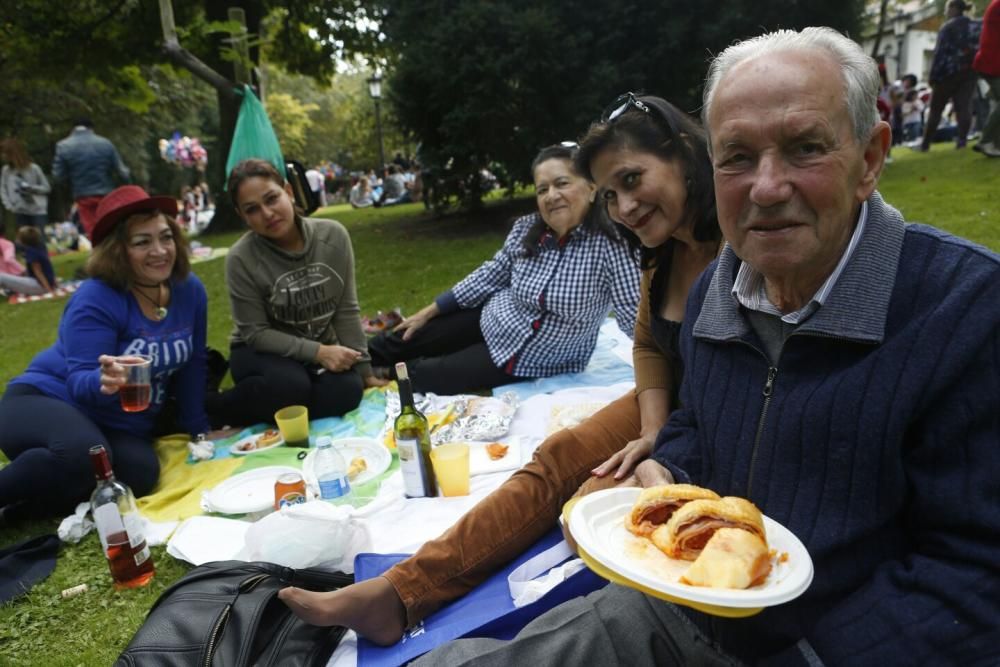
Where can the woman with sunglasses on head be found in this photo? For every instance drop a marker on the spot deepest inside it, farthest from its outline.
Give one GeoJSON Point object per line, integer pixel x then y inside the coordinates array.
{"type": "Point", "coordinates": [141, 299]}
{"type": "Point", "coordinates": [650, 164]}
{"type": "Point", "coordinates": [535, 309]}
{"type": "Point", "coordinates": [297, 337]}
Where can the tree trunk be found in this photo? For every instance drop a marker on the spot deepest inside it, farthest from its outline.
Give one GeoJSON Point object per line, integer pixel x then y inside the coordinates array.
{"type": "Point", "coordinates": [883, 7]}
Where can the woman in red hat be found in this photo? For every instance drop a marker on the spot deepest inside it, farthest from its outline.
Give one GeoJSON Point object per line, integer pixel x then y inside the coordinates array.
{"type": "Point", "coordinates": [141, 300]}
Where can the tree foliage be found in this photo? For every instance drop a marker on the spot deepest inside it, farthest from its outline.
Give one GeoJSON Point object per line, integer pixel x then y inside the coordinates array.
{"type": "Point", "coordinates": [481, 81]}
{"type": "Point", "coordinates": [104, 59]}
{"type": "Point", "coordinates": [342, 125]}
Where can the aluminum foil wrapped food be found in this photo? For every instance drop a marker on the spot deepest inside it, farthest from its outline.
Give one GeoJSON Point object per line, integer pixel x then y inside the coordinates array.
{"type": "Point", "coordinates": [455, 418]}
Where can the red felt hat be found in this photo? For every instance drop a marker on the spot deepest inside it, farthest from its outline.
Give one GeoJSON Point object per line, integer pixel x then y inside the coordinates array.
{"type": "Point", "coordinates": [123, 202]}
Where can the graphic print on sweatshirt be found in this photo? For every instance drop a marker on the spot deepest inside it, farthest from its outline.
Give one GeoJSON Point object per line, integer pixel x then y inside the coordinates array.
{"type": "Point", "coordinates": [168, 350]}
{"type": "Point", "coordinates": [306, 299]}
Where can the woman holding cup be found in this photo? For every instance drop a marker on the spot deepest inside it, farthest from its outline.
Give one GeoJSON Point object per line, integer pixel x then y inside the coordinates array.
{"type": "Point", "coordinates": [132, 336]}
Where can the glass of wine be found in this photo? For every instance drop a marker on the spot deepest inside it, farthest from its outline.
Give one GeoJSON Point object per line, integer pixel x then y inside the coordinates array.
{"type": "Point", "coordinates": [135, 394]}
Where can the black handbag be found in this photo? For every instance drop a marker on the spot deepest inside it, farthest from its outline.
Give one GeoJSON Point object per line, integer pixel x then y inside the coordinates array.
{"type": "Point", "coordinates": [227, 614]}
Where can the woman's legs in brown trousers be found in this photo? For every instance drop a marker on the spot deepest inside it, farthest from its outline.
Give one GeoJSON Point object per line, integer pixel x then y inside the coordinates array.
{"type": "Point", "coordinates": [491, 534]}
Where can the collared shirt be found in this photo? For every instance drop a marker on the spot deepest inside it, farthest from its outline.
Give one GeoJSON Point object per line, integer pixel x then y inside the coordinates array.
{"type": "Point", "coordinates": [543, 311]}
{"type": "Point", "coordinates": [749, 290]}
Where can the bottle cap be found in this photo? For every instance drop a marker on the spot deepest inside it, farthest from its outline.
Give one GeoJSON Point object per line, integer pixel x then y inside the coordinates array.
{"type": "Point", "coordinates": [401, 372]}
{"type": "Point", "coordinates": [323, 441]}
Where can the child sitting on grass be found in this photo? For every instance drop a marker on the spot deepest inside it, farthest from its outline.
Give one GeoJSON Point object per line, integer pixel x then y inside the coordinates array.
{"type": "Point", "coordinates": [39, 278]}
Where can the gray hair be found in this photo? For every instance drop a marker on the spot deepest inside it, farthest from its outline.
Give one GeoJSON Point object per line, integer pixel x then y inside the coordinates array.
{"type": "Point", "coordinates": [861, 78]}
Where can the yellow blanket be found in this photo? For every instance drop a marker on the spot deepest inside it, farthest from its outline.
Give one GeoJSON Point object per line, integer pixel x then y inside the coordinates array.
{"type": "Point", "coordinates": [177, 495]}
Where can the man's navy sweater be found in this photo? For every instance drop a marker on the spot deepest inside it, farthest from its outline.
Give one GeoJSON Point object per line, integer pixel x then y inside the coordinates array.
{"type": "Point", "coordinates": [879, 447]}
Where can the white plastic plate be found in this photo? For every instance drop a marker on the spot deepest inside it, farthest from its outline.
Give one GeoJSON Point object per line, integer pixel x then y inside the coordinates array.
{"type": "Point", "coordinates": [597, 524]}
{"type": "Point", "coordinates": [375, 454]}
{"type": "Point", "coordinates": [251, 491]}
{"type": "Point", "coordinates": [236, 451]}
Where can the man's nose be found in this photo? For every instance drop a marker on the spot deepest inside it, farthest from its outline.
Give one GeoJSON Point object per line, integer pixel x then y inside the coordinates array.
{"type": "Point", "coordinates": [771, 184]}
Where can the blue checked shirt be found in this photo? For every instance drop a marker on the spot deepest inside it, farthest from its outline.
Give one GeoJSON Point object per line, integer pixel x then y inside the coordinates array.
{"type": "Point", "coordinates": [542, 313]}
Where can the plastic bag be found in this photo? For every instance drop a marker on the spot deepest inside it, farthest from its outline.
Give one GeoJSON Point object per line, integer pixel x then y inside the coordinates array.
{"type": "Point", "coordinates": [254, 136]}
{"type": "Point", "coordinates": [306, 535]}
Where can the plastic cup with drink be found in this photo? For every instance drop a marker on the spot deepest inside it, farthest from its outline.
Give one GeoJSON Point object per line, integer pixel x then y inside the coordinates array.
{"type": "Point", "coordinates": [135, 394]}
{"type": "Point", "coordinates": [451, 466]}
{"type": "Point", "coordinates": [293, 422]}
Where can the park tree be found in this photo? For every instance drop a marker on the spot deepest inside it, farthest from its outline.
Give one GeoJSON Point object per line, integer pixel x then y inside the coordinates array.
{"type": "Point", "coordinates": [63, 60]}
{"type": "Point", "coordinates": [483, 82]}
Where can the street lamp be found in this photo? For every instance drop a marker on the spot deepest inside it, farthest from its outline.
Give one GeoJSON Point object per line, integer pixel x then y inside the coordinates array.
{"type": "Point", "coordinates": [375, 90]}
{"type": "Point", "coordinates": [899, 26]}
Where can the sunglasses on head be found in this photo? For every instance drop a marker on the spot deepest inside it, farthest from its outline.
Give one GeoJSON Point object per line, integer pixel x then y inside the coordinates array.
{"type": "Point", "coordinates": [628, 101]}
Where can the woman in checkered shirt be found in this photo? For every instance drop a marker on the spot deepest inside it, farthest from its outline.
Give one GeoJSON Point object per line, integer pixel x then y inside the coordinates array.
{"type": "Point", "coordinates": [535, 309]}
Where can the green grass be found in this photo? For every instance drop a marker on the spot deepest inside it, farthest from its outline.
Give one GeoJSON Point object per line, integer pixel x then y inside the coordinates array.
{"type": "Point", "coordinates": [403, 258]}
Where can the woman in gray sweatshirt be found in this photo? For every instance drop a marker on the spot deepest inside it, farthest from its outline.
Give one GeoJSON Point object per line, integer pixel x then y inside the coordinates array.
{"type": "Point", "coordinates": [297, 336]}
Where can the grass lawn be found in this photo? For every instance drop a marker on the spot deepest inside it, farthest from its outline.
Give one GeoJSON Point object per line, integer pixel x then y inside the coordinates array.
{"type": "Point", "coordinates": [404, 258]}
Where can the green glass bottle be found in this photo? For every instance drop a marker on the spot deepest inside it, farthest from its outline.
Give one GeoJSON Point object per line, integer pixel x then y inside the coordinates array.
{"type": "Point", "coordinates": [413, 442]}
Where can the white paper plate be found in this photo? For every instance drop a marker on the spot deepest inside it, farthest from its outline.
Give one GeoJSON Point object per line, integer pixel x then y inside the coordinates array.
{"type": "Point", "coordinates": [597, 524]}
{"type": "Point", "coordinates": [251, 491]}
{"type": "Point", "coordinates": [375, 454]}
{"type": "Point", "coordinates": [480, 462]}
{"type": "Point", "coordinates": [236, 451]}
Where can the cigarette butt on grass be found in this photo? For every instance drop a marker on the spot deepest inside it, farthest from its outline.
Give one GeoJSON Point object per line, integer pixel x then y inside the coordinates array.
{"type": "Point", "coordinates": [75, 590]}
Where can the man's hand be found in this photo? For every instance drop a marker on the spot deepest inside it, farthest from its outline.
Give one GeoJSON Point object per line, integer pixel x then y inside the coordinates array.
{"type": "Point", "coordinates": [624, 460]}
{"type": "Point", "coordinates": [411, 324]}
{"type": "Point", "coordinates": [336, 358]}
{"type": "Point", "coordinates": [650, 473]}
{"type": "Point", "coordinates": [372, 381]}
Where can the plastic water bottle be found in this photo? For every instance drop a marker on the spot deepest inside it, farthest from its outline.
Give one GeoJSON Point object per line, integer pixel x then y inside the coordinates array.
{"type": "Point", "coordinates": [331, 470]}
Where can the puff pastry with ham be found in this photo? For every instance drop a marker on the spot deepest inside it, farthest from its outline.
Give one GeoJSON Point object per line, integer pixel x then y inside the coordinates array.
{"type": "Point", "coordinates": [657, 504]}
{"type": "Point", "coordinates": [692, 526]}
{"type": "Point", "coordinates": [733, 558]}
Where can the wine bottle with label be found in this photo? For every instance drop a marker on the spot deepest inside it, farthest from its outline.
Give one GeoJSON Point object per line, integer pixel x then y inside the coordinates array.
{"type": "Point", "coordinates": [413, 442]}
{"type": "Point", "coordinates": [119, 525]}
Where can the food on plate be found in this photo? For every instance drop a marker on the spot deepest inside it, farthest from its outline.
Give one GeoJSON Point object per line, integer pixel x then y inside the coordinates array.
{"type": "Point", "coordinates": [732, 558]}
{"type": "Point", "coordinates": [267, 438]}
{"type": "Point", "coordinates": [657, 504]}
{"type": "Point", "coordinates": [496, 450]}
{"type": "Point", "coordinates": [358, 465]}
{"type": "Point", "coordinates": [692, 526]}
{"type": "Point", "coordinates": [247, 446]}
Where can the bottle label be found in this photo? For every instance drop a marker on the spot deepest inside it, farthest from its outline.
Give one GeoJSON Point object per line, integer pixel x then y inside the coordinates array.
{"type": "Point", "coordinates": [334, 487]}
{"type": "Point", "coordinates": [141, 556]}
{"type": "Point", "coordinates": [109, 522]}
{"type": "Point", "coordinates": [411, 464]}
{"type": "Point", "coordinates": [133, 526]}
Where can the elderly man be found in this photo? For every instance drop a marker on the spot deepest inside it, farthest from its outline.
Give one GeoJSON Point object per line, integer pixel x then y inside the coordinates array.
{"type": "Point", "coordinates": [842, 371]}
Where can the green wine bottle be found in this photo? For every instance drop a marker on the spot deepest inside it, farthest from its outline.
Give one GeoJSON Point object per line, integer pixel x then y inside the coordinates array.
{"type": "Point", "coordinates": [413, 442]}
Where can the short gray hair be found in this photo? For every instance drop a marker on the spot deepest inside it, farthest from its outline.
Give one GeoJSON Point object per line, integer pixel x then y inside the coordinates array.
{"type": "Point", "coordinates": [861, 78]}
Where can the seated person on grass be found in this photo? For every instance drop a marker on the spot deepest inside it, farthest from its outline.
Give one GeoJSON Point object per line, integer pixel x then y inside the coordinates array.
{"type": "Point", "coordinates": [650, 164]}
{"type": "Point", "coordinates": [535, 309]}
{"type": "Point", "coordinates": [297, 337]}
{"type": "Point", "coordinates": [140, 299]}
{"type": "Point", "coordinates": [39, 276]}
{"type": "Point", "coordinates": [841, 371]}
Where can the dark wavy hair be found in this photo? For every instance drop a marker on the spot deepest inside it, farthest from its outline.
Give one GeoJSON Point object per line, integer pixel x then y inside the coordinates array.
{"type": "Point", "coordinates": [596, 217]}
{"type": "Point", "coordinates": [672, 135]}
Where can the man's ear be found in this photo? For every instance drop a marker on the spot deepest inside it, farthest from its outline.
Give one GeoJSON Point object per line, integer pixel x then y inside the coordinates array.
{"type": "Point", "coordinates": [875, 153]}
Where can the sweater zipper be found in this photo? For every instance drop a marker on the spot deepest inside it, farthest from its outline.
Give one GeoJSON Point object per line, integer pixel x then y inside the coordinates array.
{"type": "Point", "coordinates": [772, 372]}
